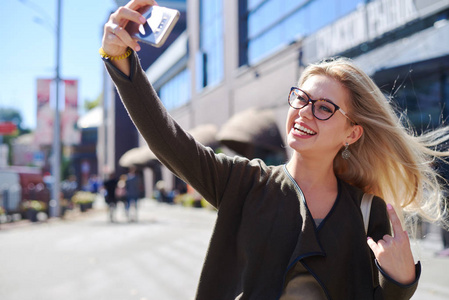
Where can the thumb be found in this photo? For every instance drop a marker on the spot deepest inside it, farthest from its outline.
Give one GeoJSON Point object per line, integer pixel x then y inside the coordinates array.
{"type": "Point", "coordinates": [373, 245]}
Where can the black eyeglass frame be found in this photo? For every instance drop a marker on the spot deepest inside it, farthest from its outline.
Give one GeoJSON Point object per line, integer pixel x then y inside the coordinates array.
{"type": "Point", "coordinates": [313, 101]}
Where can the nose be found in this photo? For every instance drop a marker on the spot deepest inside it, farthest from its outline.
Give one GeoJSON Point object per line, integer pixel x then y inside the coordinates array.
{"type": "Point", "coordinates": [306, 111]}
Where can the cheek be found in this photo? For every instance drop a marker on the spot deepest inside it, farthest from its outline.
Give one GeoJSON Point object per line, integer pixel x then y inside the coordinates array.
{"type": "Point", "coordinates": [291, 115]}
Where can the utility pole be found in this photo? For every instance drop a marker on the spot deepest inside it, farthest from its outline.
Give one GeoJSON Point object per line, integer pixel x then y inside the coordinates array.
{"type": "Point", "coordinates": [56, 166]}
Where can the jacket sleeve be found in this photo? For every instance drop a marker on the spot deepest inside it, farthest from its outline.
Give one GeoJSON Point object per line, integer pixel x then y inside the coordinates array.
{"type": "Point", "coordinates": [390, 289]}
{"type": "Point", "coordinates": [196, 164]}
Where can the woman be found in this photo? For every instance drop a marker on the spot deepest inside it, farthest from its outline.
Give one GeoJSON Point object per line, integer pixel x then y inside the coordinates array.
{"type": "Point", "coordinates": [295, 231]}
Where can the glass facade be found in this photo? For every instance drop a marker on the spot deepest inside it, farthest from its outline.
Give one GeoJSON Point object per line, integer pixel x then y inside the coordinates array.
{"type": "Point", "coordinates": [209, 62]}
{"type": "Point", "coordinates": [425, 100]}
{"type": "Point", "coordinates": [275, 23]}
{"type": "Point", "coordinates": [176, 92]}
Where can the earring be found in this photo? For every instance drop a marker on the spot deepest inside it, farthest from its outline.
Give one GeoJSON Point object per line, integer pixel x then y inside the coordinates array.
{"type": "Point", "coordinates": [346, 154]}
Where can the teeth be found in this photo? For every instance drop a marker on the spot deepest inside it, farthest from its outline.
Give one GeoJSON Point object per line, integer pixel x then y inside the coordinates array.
{"type": "Point", "coordinates": [303, 129]}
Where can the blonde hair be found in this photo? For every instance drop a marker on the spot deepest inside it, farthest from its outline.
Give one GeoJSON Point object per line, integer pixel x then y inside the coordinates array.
{"type": "Point", "coordinates": [390, 160]}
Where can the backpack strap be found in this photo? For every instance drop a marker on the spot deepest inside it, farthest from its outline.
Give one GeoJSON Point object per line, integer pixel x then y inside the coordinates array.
{"type": "Point", "coordinates": [365, 207]}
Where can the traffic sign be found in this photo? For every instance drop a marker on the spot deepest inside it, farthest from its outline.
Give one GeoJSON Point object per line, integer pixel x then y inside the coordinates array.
{"type": "Point", "coordinates": [7, 128]}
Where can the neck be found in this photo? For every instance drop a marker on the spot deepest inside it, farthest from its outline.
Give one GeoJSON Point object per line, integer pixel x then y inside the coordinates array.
{"type": "Point", "coordinates": [312, 173]}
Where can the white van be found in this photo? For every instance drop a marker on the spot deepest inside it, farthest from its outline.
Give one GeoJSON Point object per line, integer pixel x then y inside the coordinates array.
{"type": "Point", "coordinates": [10, 191]}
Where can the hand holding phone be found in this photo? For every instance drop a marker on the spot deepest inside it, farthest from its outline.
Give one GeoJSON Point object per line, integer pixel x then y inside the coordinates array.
{"type": "Point", "coordinates": [160, 22]}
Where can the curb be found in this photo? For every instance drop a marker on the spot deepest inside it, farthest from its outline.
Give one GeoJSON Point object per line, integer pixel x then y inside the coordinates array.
{"type": "Point", "coordinates": [70, 215]}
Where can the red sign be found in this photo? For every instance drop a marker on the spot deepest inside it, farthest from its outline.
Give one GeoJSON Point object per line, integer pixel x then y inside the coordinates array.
{"type": "Point", "coordinates": [7, 128]}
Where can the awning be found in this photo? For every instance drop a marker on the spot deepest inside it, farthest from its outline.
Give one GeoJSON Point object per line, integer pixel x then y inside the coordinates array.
{"type": "Point", "coordinates": [140, 156]}
{"type": "Point", "coordinates": [143, 156]}
{"type": "Point", "coordinates": [251, 128]}
{"type": "Point", "coordinates": [427, 44]}
{"type": "Point", "coordinates": [93, 118]}
{"type": "Point", "coordinates": [206, 134]}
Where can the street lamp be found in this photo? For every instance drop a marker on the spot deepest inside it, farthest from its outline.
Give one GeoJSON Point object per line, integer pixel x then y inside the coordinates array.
{"type": "Point", "coordinates": [56, 163]}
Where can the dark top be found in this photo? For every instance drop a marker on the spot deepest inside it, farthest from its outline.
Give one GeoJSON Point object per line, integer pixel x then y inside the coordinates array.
{"type": "Point", "coordinates": [110, 185]}
{"type": "Point", "coordinates": [132, 187]}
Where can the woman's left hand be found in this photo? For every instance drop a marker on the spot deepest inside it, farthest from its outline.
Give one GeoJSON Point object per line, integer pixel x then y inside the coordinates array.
{"type": "Point", "coordinates": [394, 254]}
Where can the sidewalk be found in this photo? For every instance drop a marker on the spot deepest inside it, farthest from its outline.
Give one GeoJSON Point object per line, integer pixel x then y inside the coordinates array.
{"type": "Point", "coordinates": [434, 282]}
{"type": "Point", "coordinates": [99, 206]}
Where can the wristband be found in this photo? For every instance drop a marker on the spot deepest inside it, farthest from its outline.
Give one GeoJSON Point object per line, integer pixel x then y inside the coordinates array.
{"type": "Point", "coordinates": [107, 56]}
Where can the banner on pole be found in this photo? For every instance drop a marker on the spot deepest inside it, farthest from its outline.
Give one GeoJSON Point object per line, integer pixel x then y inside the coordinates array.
{"type": "Point", "coordinates": [70, 133]}
{"type": "Point", "coordinates": [45, 114]}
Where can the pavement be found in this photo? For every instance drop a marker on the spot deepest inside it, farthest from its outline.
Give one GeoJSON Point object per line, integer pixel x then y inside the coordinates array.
{"type": "Point", "coordinates": [434, 282]}
{"type": "Point", "coordinates": [196, 226]}
{"type": "Point", "coordinates": [85, 256]}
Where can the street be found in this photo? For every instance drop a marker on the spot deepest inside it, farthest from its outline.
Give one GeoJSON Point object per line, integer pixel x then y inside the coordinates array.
{"type": "Point", "coordinates": [159, 257]}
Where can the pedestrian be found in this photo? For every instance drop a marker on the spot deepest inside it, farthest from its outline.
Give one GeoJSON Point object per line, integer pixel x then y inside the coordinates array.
{"type": "Point", "coordinates": [162, 195]}
{"type": "Point", "coordinates": [110, 185]}
{"type": "Point", "coordinates": [69, 187]}
{"type": "Point", "coordinates": [120, 191]}
{"type": "Point", "coordinates": [132, 187]}
{"type": "Point", "coordinates": [94, 184]}
{"type": "Point", "coordinates": [297, 230]}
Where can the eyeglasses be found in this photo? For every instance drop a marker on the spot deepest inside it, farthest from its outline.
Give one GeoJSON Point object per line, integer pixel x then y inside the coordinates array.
{"type": "Point", "coordinates": [322, 109]}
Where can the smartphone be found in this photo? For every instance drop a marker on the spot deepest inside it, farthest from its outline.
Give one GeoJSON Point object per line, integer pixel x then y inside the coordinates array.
{"type": "Point", "coordinates": [160, 22]}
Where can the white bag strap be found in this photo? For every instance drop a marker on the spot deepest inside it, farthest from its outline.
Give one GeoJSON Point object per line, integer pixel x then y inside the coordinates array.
{"type": "Point", "coordinates": [365, 207]}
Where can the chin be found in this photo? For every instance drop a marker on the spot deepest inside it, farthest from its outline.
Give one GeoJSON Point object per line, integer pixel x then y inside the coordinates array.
{"type": "Point", "coordinates": [294, 144]}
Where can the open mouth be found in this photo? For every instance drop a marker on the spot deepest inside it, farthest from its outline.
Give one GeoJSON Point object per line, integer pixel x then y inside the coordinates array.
{"type": "Point", "coordinates": [303, 130]}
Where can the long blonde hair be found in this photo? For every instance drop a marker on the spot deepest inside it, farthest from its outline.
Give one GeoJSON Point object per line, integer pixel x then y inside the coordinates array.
{"type": "Point", "coordinates": [390, 160]}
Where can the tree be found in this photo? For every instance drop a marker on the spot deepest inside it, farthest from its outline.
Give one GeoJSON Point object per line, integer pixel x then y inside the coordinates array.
{"type": "Point", "coordinates": [11, 115]}
{"type": "Point", "coordinates": [90, 104]}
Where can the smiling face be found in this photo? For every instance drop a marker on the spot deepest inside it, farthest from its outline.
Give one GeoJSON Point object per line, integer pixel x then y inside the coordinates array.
{"type": "Point", "coordinates": [309, 136]}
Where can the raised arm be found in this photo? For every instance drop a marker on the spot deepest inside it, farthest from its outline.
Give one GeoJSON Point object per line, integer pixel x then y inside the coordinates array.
{"type": "Point", "coordinates": [207, 172]}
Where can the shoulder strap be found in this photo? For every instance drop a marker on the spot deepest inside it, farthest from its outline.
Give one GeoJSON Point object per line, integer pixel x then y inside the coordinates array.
{"type": "Point", "coordinates": [365, 207]}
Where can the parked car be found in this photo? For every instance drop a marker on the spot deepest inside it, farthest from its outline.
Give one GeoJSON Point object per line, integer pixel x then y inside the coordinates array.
{"type": "Point", "coordinates": [23, 188]}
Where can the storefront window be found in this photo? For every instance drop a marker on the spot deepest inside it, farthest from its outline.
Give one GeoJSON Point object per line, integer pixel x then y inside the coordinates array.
{"type": "Point", "coordinates": [176, 92]}
{"type": "Point", "coordinates": [275, 23]}
{"type": "Point", "coordinates": [421, 99]}
{"type": "Point", "coordinates": [210, 59]}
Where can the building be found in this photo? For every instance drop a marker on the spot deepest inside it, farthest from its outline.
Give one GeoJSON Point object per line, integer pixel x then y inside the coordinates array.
{"type": "Point", "coordinates": [117, 134]}
{"type": "Point", "coordinates": [84, 161]}
{"type": "Point", "coordinates": [240, 58]}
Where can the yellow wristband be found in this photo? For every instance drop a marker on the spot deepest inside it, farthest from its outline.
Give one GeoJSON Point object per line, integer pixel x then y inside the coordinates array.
{"type": "Point", "coordinates": [107, 56]}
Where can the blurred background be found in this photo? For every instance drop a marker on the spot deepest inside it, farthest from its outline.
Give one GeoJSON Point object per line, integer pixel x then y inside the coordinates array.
{"type": "Point", "coordinates": [224, 74]}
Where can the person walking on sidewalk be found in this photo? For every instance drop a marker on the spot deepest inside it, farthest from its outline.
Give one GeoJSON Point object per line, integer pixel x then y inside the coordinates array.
{"type": "Point", "coordinates": [110, 185]}
{"type": "Point", "coordinates": [132, 187]}
{"type": "Point", "coordinates": [296, 231]}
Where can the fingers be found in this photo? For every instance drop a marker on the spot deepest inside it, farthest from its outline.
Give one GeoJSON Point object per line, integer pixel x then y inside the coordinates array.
{"type": "Point", "coordinates": [116, 38]}
{"type": "Point", "coordinates": [387, 239]}
{"type": "Point", "coordinates": [137, 4]}
{"type": "Point", "coordinates": [120, 37]}
{"type": "Point", "coordinates": [124, 14]}
{"type": "Point", "coordinates": [397, 227]}
{"type": "Point", "coordinates": [114, 27]}
{"type": "Point", "coordinates": [373, 245]}
{"type": "Point", "coordinates": [395, 257]}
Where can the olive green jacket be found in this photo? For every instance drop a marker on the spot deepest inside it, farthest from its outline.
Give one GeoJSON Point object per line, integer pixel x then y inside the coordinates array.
{"type": "Point", "coordinates": [263, 226]}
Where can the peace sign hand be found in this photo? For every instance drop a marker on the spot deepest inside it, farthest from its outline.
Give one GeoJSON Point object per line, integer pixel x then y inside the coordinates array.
{"type": "Point", "coordinates": [394, 254]}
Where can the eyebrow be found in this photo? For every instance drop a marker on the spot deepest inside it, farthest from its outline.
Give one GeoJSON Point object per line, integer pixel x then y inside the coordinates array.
{"type": "Point", "coordinates": [308, 94]}
{"type": "Point", "coordinates": [327, 100]}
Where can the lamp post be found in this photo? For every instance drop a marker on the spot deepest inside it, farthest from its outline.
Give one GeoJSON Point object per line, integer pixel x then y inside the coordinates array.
{"type": "Point", "coordinates": [56, 163]}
